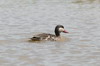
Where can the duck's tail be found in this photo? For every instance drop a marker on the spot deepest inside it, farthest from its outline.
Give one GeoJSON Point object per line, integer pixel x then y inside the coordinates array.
{"type": "Point", "coordinates": [35, 38]}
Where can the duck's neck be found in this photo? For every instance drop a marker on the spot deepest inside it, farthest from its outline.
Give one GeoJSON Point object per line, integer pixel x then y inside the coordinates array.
{"type": "Point", "coordinates": [57, 33]}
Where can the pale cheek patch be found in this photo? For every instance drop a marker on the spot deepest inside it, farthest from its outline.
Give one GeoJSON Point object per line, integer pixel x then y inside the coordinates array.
{"type": "Point", "coordinates": [61, 29]}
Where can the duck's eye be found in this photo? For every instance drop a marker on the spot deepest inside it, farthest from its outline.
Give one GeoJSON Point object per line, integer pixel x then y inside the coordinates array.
{"type": "Point", "coordinates": [61, 29]}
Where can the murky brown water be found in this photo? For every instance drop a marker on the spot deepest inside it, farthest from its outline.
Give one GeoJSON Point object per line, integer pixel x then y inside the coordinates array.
{"type": "Point", "coordinates": [20, 20]}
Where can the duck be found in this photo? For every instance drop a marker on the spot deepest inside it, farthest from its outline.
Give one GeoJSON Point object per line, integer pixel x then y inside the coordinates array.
{"type": "Point", "coordinates": [48, 36]}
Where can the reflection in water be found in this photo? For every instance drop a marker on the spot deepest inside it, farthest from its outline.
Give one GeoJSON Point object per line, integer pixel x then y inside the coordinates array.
{"type": "Point", "coordinates": [20, 20]}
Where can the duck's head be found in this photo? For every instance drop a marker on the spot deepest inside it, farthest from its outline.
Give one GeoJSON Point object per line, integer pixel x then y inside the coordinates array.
{"type": "Point", "coordinates": [59, 29]}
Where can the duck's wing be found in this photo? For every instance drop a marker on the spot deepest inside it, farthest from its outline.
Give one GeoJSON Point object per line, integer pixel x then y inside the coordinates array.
{"type": "Point", "coordinates": [43, 36]}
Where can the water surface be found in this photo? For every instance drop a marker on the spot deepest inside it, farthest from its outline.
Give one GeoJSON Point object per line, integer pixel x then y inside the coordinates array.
{"type": "Point", "coordinates": [20, 20]}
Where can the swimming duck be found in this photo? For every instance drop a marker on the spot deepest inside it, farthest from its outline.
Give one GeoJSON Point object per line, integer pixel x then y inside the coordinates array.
{"type": "Point", "coordinates": [46, 36]}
